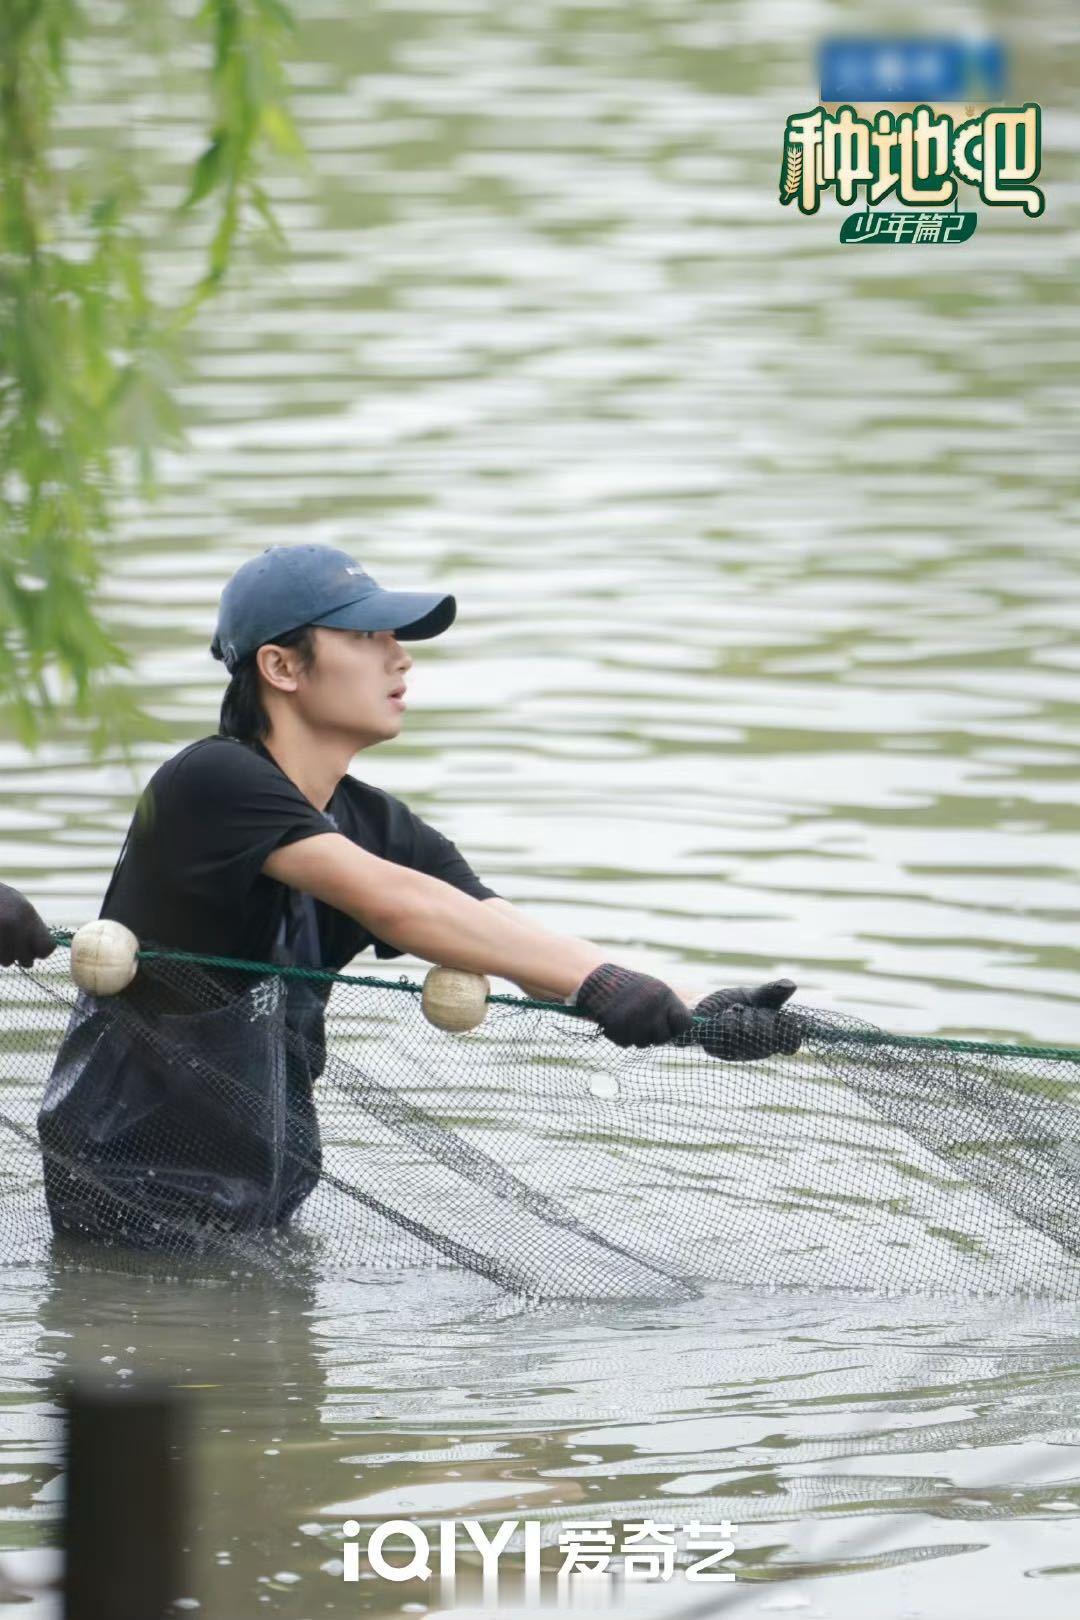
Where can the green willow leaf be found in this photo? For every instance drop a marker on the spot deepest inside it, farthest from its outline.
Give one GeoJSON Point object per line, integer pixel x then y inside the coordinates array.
{"type": "Point", "coordinates": [208, 171]}
{"type": "Point", "coordinates": [88, 359]}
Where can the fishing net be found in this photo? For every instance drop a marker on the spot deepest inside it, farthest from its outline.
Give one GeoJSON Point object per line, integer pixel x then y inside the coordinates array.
{"type": "Point", "coordinates": [213, 1112]}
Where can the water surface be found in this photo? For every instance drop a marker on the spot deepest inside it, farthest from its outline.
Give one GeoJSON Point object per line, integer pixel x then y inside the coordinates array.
{"type": "Point", "coordinates": [765, 664]}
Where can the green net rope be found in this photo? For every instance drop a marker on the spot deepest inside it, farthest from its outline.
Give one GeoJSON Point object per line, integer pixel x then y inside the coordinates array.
{"type": "Point", "coordinates": [409, 986]}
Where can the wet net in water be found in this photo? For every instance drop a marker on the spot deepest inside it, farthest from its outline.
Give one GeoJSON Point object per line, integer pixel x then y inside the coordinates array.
{"type": "Point", "coordinates": [240, 1115]}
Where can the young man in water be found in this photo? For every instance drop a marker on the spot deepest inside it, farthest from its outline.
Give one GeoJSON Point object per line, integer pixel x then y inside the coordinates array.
{"type": "Point", "coordinates": [258, 845]}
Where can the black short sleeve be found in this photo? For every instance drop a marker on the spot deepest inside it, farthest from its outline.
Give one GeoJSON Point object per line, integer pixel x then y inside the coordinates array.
{"type": "Point", "coordinates": [224, 811]}
{"type": "Point", "coordinates": [439, 857]}
{"type": "Point", "coordinates": [190, 873]}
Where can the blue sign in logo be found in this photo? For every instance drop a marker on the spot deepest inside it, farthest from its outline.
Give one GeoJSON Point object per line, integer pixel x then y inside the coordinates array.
{"type": "Point", "coordinates": [928, 69]}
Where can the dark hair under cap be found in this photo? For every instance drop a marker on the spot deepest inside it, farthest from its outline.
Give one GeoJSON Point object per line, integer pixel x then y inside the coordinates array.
{"type": "Point", "coordinates": [242, 712]}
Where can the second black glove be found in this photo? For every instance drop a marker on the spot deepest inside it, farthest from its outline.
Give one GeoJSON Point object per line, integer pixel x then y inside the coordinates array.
{"type": "Point", "coordinates": [748, 1024]}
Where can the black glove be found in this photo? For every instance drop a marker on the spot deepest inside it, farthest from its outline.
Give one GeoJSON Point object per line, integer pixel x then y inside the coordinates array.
{"type": "Point", "coordinates": [23, 935]}
{"type": "Point", "coordinates": [633, 1009]}
{"type": "Point", "coordinates": [748, 1024]}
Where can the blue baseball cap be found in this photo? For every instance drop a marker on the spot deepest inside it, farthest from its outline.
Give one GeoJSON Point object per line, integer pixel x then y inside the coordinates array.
{"type": "Point", "coordinates": [290, 586]}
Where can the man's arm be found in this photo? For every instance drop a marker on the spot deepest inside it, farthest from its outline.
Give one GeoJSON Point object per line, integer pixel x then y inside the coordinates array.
{"type": "Point", "coordinates": [415, 912]}
{"type": "Point", "coordinates": [689, 996]}
{"type": "Point", "coordinates": [431, 919]}
{"type": "Point", "coordinates": [496, 902]}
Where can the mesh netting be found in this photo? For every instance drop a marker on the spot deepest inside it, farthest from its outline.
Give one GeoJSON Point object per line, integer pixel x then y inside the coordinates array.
{"type": "Point", "coordinates": [243, 1115]}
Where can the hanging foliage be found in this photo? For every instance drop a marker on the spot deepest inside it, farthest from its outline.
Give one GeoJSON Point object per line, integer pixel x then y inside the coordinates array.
{"type": "Point", "coordinates": [87, 356]}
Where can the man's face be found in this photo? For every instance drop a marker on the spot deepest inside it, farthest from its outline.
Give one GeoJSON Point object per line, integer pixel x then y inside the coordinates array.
{"type": "Point", "coordinates": [356, 685]}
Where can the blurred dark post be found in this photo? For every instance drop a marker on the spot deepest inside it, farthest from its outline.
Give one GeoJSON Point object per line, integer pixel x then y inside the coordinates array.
{"type": "Point", "coordinates": [125, 1522]}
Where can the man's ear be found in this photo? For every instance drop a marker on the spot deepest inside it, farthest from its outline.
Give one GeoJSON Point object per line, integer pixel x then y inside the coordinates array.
{"type": "Point", "coordinates": [278, 666]}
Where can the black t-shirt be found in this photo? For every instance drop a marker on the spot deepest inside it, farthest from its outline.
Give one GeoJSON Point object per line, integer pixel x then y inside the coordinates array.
{"type": "Point", "coordinates": [156, 1133]}
{"type": "Point", "coordinates": [190, 873]}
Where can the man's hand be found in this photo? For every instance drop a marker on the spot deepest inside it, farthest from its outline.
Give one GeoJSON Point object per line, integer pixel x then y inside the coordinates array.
{"type": "Point", "coordinates": [23, 935]}
{"type": "Point", "coordinates": [632, 1009]}
{"type": "Point", "coordinates": [748, 1024]}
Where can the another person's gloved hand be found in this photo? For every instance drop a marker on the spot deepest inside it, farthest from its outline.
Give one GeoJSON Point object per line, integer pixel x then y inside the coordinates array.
{"type": "Point", "coordinates": [748, 1024]}
{"type": "Point", "coordinates": [632, 1009]}
{"type": "Point", "coordinates": [23, 935]}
